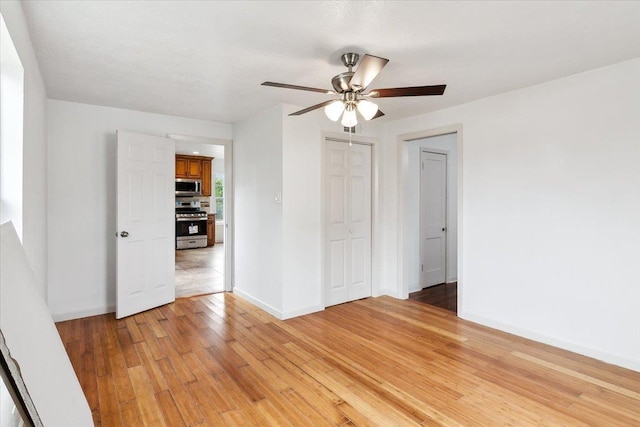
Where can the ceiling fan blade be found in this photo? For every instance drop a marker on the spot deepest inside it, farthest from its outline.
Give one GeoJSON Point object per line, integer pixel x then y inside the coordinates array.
{"type": "Point", "coordinates": [313, 107]}
{"type": "Point", "coordinates": [408, 91]}
{"type": "Point", "coordinates": [286, 86]}
{"type": "Point", "coordinates": [368, 69]}
{"type": "Point", "coordinates": [378, 114]}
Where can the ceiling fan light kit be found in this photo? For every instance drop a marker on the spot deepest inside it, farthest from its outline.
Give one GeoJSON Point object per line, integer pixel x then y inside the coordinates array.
{"type": "Point", "coordinates": [352, 85]}
{"type": "Point", "coordinates": [367, 108]}
{"type": "Point", "coordinates": [334, 110]}
{"type": "Point", "coordinates": [349, 118]}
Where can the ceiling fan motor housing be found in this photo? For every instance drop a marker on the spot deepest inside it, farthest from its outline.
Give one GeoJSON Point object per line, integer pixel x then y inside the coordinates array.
{"type": "Point", "coordinates": [341, 82]}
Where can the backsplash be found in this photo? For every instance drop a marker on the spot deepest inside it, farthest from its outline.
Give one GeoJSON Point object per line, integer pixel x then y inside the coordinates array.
{"type": "Point", "coordinates": [205, 202]}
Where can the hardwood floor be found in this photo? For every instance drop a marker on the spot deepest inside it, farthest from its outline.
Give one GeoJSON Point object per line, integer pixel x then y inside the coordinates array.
{"type": "Point", "coordinates": [216, 360]}
{"type": "Point", "coordinates": [443, 296]}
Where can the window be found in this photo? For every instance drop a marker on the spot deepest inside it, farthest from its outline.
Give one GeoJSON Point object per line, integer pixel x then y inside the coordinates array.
{"type": "Point", "coordinates": [219, 196]}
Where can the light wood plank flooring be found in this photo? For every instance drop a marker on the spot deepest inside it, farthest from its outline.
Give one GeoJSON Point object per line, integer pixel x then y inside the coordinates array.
{"type": "Point", "coordinates": [216, 360]}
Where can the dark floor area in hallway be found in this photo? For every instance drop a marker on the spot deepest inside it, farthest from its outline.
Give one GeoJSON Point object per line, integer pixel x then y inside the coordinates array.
{"type": "Point", "coordinates": [444, 296]}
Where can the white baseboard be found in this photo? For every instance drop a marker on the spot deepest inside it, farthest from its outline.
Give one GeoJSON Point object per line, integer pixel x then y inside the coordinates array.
{"type": "Point", "coordinates": [266, 307]}
{"type": "Point", "coordinates": [61, 317]}
{"type": "Point", "coordinates": [302, 311]}
{"type": "Point", "coordinates": [585, 351]}
{"type": "Point", "coordinates": [418, 287]}
{"type": "Point", "coordinates": [388, 293]}
{"type": "Point", "coordinates": [415, 287]}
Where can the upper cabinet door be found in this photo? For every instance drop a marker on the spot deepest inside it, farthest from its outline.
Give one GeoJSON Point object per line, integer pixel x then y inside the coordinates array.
{"type": "Point", "coordinates": [206, 178]}
{"type": "Point", "coordinates": [195, 168]}
{"type": "Point", "coordinates": [181, 167]}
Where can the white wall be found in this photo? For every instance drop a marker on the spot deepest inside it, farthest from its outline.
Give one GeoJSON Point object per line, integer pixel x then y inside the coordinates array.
{"type": "Point", "coordinates": [257, 174]}
{"type": "Point", "coordinates": [34, 154]}
{"type": "Point", "coordinates": [82, 198]}
{"type": "Point", "coordinates": [447, 144]}
{"type": "Point", "coordinates": [301, 263]}
{"type": "Point", "coordinates": [550, 238]}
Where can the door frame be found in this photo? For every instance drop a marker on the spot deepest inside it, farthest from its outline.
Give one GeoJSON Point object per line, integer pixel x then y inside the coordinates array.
{"type": "Point", "coordinates": [229, 260]}
{"type": "Point", "coordinates": [446, 209]}
{"type": "Point", "coordinates": [402, 141]}
{"type": "Point", "coordinates": [362, 140]}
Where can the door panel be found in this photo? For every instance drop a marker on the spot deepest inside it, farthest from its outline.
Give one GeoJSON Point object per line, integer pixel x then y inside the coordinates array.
{"type": "Point", "coordinates": [348, 221]}
{"type": "Point", "coordinates": [433, 203]}
{"type": "Point", "coordinates": [337, 203]}
{"type": "Point", "coordinates": [145, 257]}
{"type": "Point", "coordinates": [357, 199]}
{"type": "Point", "coordinates": [358, 264]}
{"type": "Point", "coordinates": [337, 255]}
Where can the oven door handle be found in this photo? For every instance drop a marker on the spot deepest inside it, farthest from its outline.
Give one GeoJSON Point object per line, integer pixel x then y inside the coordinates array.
{"type": "Point", "coordinates": [190, 219]}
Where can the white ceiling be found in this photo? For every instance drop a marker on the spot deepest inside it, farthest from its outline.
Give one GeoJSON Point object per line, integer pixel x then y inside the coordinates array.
{"type": "Point", "coordinates": [199, 149]}
{"type": "Point", "coordinates": [206, 60]}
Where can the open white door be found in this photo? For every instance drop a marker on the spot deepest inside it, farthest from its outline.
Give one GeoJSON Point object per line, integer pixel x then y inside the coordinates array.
{"type": "Point", "coordinates": [146, 223]}
{"type": "Point", "coordinates": [433, 218]}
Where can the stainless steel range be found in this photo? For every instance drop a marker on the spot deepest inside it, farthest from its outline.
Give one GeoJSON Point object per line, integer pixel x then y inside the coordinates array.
{"type": "Point", "coordinates": [191, 225]}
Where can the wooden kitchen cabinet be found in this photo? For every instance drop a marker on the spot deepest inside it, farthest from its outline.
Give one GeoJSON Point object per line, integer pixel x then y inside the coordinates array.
{"type": "Point", "coordinates": [206, 177]}
{"type": "Point", "coordinates": [182, 165]}
{"type": "Point", "coordinates": [196, 167]}
{"type": "Point", "coordinates": [211, 229]}
{"type": "Point", "coordinates": [188, 167]}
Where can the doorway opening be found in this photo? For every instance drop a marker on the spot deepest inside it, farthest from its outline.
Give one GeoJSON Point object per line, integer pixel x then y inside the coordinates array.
{"type": "Point", "coordinates": [430, 206]}
{"type": "Point", "coordinates": [201, 268]}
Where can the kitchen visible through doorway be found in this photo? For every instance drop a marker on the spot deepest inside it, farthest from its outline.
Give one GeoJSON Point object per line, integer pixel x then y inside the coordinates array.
{"type": "Point", "coordinates": [200, 267]}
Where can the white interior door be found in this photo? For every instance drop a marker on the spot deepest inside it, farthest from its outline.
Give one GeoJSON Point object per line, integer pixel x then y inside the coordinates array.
{"type": "Point", "coordinates": [146, 223]}
{"type": "Point", "coordinates": [433, 218]}
{"type": "Point", "coordinates": [347, 222]}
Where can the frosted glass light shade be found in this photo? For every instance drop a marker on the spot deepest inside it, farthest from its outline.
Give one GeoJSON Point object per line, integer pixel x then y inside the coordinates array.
{"type": "Point", "coordinates": [334, 110]}
{"type": "Point", "coordinates": [349, 118]}
{"type": "Point", "coordinates": [367, 109]}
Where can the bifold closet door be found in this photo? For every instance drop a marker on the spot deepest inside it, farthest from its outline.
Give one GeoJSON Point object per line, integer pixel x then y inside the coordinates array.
{"type": "Point", "coordinates": [347, 219]}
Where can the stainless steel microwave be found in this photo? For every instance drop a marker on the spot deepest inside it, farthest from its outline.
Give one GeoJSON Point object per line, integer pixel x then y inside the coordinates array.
{"type": "Point", "coordinates": [188, 187]}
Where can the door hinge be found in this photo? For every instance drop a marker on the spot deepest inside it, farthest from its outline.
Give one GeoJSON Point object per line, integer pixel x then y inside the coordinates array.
{"type": "Point", "coordinates": [422, 165]}
{"type": "Point", "coordinates": [421, 267]}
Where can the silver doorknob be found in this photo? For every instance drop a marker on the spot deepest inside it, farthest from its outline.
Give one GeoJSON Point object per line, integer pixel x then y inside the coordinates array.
{"type": "Point", "coordinates": [124, 234]}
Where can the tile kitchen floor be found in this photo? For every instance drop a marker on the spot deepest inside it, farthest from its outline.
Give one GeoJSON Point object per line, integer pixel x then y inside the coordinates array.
{"type": "Point", "coordinates": [200, 271]}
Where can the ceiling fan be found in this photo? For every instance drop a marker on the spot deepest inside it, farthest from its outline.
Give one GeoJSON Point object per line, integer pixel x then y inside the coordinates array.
{"type": "Point", "coordinates": [351, 86]}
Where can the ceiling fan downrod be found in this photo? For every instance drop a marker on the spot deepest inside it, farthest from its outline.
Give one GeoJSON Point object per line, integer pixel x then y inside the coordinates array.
{"type": "Point", "coordinates": [350, 60]}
